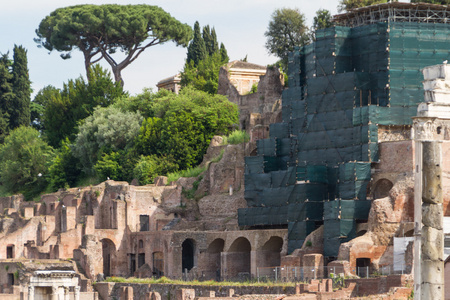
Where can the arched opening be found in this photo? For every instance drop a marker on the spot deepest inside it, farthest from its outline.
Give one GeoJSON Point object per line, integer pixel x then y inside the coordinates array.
{"type": "Point", "coordinates": [108, 252]}
{"type": "Point", "coordinates": [158, 264]}
{"type": "Point", "coordinates": [382, 188]}
{"type": "Point", "coordinates": [141, 244]}
{"type": "Point", "coordinates": [212, 263]}
{"type": "Point", "coordinates": [188, 255]}
{"type": "Point", "coordinates": [236, 261]}
{"type": "Point", "coordinates": [269, 254]}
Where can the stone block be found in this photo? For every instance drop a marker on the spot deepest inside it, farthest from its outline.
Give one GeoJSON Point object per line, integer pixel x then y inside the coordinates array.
{"type": "Point", "coordinates": [432, 215]}
{"type": "Point", "coordinates": [432, 244]}
{"type": "Point", "coordinates": [432, 272]}
{"type": "Point", "coordinates": [28, 212]}
{"type": "Point", "coordinates": [185, 294]}
{"type": "Point", "coordinates": [432, 291]}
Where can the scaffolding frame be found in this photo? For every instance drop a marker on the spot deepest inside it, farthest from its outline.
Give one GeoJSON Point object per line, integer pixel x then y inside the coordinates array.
{"type": "Point", "coordinates": [394, 12]}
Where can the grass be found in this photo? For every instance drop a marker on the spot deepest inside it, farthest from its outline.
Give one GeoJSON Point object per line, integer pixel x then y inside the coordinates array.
{"type": "Point", "coordinates": [165, 280]}
{"type": "Point", "coordinates": [191, 172]}
{"type": "Point", "coordinates": [236, 137]}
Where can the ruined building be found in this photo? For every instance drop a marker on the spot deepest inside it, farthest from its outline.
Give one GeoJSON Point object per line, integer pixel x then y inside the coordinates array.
{"type": "Point", "coordinates": [345, 137]}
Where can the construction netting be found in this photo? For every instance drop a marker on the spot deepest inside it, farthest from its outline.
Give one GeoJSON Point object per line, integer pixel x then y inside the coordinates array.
{"type": "Point", "coordinates": [314, 169]}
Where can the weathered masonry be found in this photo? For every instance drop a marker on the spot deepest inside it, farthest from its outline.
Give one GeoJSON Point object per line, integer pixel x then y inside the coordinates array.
{"type": "Point", "coordinates": [356, 86]}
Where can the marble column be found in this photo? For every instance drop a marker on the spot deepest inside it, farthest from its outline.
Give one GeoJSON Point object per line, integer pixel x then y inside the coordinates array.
{"type": "Point", "coordinates": [30, 292]}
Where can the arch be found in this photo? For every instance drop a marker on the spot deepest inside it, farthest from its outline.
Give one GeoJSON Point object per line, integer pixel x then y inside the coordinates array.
{"type": "Point", "coordinates": [216, 246]}
{"type": "Point", "coordinates": [108, 253]}
{"type": "Point", "coordinates": [241, 244]}
{"type": "Point", "coordinates": [188, 260]}
{"type": "Point", "coordinates": [211, 261]}
{"type": "Point", "coordinates": [269, 255]}
{"type": "Point", "coordinates": [236, 262]}
{"type": "Point", "coordinates": [381, 188]}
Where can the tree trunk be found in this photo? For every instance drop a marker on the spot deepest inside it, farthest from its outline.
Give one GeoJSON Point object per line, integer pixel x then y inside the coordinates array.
{"type": "Point", "coordinates": [118, 75]}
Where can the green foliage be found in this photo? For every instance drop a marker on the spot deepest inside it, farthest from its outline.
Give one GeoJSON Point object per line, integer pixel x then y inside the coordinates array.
{"type": "Point", "coordinates": [346, 5]}
{"type": "Point", "coordinates": [99, 31]}
{"type": "Point", "coordinates": [197, 48]}
{"type": "Point", "coordinates": [254, 89]}
{"type": "Point", "coordinates": [24, 162]}
{"type": "Point", "coordinates": [322, 19]}
{"type": "Point", "coordinates": [184, 124]}
{"type": "Point", "coordinates": [21, 85]}
{"type": "Point", "coordinates": [205, 75]}
{"type": "Point", "coordinates": [108, 129]}
{"type": "Point", "coordinates": [236, 137]}
{"type": "Point", "coordinates": [61, 110]}
{"type": "Point", "coordinates": [142, 103]}
{"type": "Point", "coordinates": [64, 170]}
{"type": "Point", "coordinates": [108, 166]}
{"type": "Point", "coordinates": [287, 29]}
{"type": "Point", "coordinates": [149, 167]}
{"type": "Point", "coordinates": [202, 66]}
{"type": "Point", "coordinates": [190, 172]}
{"type": "Point", "coordinates": [15, 91]}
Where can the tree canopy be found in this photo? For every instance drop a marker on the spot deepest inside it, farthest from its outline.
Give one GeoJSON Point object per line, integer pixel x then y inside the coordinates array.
{"type": "Point", "coordinates": [204, 59]}
{"type": "Point", "coordinates": [59, 111]}
{"type": "Point", "coordinates": [99, 31]}
{"type": "Point", "coordinates": [24, 161]}
{"type": "Point", "coordinates": [181, 126]}
{"type": "Point", "coordinates": [287, 29]}
{"type": "Point", "coordinates": [322, 19]}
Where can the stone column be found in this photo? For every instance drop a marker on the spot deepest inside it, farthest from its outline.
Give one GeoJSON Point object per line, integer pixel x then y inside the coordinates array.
{"type": "Point", "coordinates": [432, 258]}
{"type": "Point", "coordinates": [54, 295]}
{"type": "Point", "coordinates": [66, 293]}
{"type": "Point", "coordinates": [431, 127]}
{"type": "Point", "coordinates": [30, 292]}
{"type": "Point", "coordinates": [77, 293]}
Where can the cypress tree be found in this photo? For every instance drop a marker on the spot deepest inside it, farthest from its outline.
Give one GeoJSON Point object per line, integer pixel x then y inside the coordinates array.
{"type": "Point", "coordinates": [21, 85]}
{"type": "Point", "coordinates": [214, 43]}
{"type": "Point", "coordinates": [223, 53]}
{"type": "Point", "coordinates": [207, 38]}
{"type": "Point", "coordinates": [6, 95]}
{"type": "Point", "coordinates": [197, 48]}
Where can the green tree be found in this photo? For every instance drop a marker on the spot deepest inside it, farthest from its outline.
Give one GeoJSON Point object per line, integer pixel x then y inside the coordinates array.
{"type": "Point", "coordinates": [223, 53]}
{"type": "Point", "coordinates": [99, 31]}
{"type": "Point", "coordinates": [346, 5]}
{"type": "Point", "coordinates": [322, 19]}
{"type": "Point", "coordinates": [197, 48]}
{"type": "Point", "coordinates": [108, 130]}
{"type": "Point", "coordinates": [21, 86]}
{"type": "Point", "coordinates": [63, 109]}
{"type": "Point", "coordinates": [64, 170]}
{"type": "Point", "coordinates": [183, 125]}
{"type": "Point", "coordinates": [202, 71]}
{"type": "Point", "coordinates": [286, 30]}
{"type": "Point", "coordinates": [24, 162]}
{"type": "Point", "coordinates": [149, 167]}
{"type": "Point", "coordinates": [6, 95]}
{"type": "Point", "coordinates": [205, 75]}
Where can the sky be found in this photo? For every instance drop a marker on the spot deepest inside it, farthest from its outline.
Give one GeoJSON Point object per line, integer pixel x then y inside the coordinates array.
{"type": "Point", "coordinates": [239, 24]}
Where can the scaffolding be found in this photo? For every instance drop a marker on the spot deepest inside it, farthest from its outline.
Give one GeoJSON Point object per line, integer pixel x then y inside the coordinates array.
{"type": "Point", "coordinates": [314, 169]}
{"type": "Point", "coordinates": [394, 12]}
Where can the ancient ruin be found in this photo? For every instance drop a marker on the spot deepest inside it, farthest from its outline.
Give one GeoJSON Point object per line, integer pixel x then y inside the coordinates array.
{"type": "Point", "coordinates": [327, 189]}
